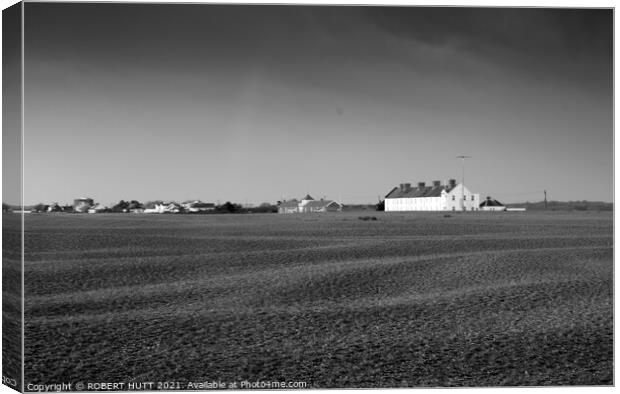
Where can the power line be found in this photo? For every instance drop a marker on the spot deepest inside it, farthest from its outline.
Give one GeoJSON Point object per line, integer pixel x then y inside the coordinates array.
{"type": "Point", "coordinates": [519, 193]}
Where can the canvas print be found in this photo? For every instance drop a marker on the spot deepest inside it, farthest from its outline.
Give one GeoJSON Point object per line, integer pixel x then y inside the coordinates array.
{"type": "Point", "coordinates": [234, 196]}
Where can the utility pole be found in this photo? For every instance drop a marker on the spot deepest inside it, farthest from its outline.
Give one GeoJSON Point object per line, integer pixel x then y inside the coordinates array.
{"type": "Point", "coordinates": [545, 200]}
{"type": "Point", "coordinates": [463, 180]}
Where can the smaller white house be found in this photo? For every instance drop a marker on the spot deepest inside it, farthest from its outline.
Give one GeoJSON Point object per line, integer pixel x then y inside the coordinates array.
{"type": "Point", "coordinates": [492, 205]}
{"type": "Point", "coordinates": [198, 206]}
{"type": "Point", "coordinates": [83, 204]}
{"type": "Point", "coordinates": [309, 205]}
{"type": "Point", "coordinates": [153, 207]}
{"type": "Point", "coordinates": [135, 207]}
{"type": "Point", "coordinates": [162, 207]}
{"type": "Point", "coordinates": [173, 207]}
{"type": "Point", "coordinates": [97, 208]}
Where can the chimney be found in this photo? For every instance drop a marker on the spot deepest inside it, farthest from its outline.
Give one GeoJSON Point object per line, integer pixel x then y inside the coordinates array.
{"type": "Point", "coordinates": [402, 186]}
{"type": "Point", "coordinates": [407, 187]}
{"type": "Point", "coordinates": [452, 183]}
{"type": "Point", "coordinates": [436, 183]}
{"type": "Point", "coordinates": [420, 185]}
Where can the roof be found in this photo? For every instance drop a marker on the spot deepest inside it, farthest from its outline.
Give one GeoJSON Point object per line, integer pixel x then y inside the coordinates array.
{"type": "Point", "coordinates": [320, 203]}
{"type": "Point", "coordinates": [307, 197]}
{"type": "Point", "coordinates": [427, 191]}
{"type": "Point", "coordinates": [489, 202]}
{"type": "Point", "coordinates": [202, 205]}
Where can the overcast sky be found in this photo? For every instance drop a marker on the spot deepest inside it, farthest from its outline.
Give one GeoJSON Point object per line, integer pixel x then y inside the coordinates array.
{"type": "Point", "coordinates": [259, 103]}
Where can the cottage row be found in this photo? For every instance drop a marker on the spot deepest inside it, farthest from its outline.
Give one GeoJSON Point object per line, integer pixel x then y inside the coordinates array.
{"type": "Point", "coordinates": [437, 197]}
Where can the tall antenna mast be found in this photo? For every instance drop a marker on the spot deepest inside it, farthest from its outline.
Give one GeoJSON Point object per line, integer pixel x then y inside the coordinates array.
{"type": "Point", "coordinates": [463, 180]}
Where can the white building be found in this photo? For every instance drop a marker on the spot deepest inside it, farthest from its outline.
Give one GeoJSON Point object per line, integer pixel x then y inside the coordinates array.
{"type": "Point", "coordinates": [97, 208]}
{"type": "Point", "coordinates": [492, 205]}
{"type": "Point", "coordinates": [83, 204]}
{"type": "Point", "coordinates": [309, 204]}
{"type": "Point", "coordinates": [438, 197]}
{"type": "Point", "coordinates": [162, 207]}
{"type": "Point", "coordinates": [198, 206]}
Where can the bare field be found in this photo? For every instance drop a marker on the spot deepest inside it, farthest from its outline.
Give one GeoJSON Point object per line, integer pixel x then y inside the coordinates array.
{"type": "Point", "coordinates": [477, 299]}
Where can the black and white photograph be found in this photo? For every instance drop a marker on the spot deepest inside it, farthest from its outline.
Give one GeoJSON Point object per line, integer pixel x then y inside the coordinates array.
{"type": "Point", "coordinates": [203, 196]}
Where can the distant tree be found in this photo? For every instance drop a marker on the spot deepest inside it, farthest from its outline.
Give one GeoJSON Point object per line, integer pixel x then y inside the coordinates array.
{"type": "Point", "coordinates": [133, 204]}
{"type": "Point", "coordinates": [381, 205]}
{"type": "Point", "coordinates": [67, 208]}
{"type": "Point", "coordinates": [40, 207]}
{"type": "Point", "coordinates": [122, 206]}
{"type": "Point", "coordinates": [264, 208]}
{"type": "Point", "coordinates": [229, 207]}
{"type": "Point", "coordinates": [5, 207]}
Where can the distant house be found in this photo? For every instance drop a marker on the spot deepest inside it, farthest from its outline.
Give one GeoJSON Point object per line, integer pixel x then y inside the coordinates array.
{"type": "Point", "coordinates": [152, 207]}
{"type": "Point", "coordinates": [309, 205]}
{"type": "Point", "coordinates": [162, 207]}
{"type": "Point", "coordinates": [492, 205]}
{"type": "Point", "coordinates": [55, 207]}
{"type": "Point", "coordinates": [97, 208]}
{"type": "Point", "coordinates": [438, 197]}
{"type": "Point", "coordinates": [83, 204]}
{"type": "Point", "coordinates": [198, 206]}
{"type": "Point", "coordinates": [173, 207]}
{"type": "Point", "coordinates": [135, 207]}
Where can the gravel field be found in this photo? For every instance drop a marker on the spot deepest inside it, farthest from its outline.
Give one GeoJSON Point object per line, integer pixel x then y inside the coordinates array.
{"type": "Point", "coordinates": [408, 300]}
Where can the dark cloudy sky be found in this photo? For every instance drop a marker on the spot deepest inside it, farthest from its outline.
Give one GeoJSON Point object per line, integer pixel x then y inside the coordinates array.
{"type": "Point", "coordinates": [256, 103]}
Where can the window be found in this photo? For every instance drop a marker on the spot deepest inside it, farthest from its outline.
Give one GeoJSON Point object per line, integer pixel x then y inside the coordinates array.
{"type": "Point", "coordinates": [453, 198]}
{"type": "Point", "coordinates": [464, 197]}
{"type": "Point", "coordinates": [454, 208]}
{"type": "Point", "coordinates": [472, 198]}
